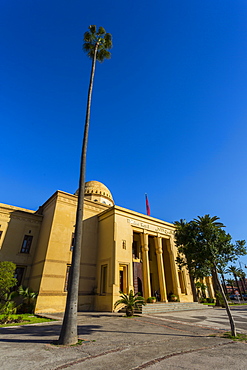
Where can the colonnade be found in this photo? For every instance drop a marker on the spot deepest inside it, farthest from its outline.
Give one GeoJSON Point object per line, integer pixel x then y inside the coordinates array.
{"type": "Point", "coordinates": [160, 267]}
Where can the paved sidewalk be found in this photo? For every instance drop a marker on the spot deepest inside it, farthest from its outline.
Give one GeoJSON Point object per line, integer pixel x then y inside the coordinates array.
{"type": "Point", "coordinates": [215, 318]}
{"type": "Point", "coordinates": [161, 342]}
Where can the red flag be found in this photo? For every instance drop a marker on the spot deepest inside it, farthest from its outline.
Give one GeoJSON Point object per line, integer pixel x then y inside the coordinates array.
{"type": "Point", "coordinates": [147, 205]}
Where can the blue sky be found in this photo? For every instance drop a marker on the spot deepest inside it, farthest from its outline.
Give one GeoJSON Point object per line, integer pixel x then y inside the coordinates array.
{"type": "Point", "coordinates": [168, 113]}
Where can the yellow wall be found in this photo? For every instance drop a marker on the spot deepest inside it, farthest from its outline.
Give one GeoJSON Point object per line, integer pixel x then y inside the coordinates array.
{"type": "Point", "coordinates": [15, 224]}
{"type": "Point", "coordinates": [107, 241]}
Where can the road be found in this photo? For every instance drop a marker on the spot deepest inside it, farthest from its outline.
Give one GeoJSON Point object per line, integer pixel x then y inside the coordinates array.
{"type": "Point", "coordinates": [182, 340]}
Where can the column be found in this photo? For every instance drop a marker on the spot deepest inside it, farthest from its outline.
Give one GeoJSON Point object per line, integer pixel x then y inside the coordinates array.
{"type": "Point", "coordinates": [187, 281]}
{"type": "Point", "coordinates": [145, 266]}
{"type": "Point", "coordinates": [174, 270]}
{"type": "Point", "coordinates": [160, 266]}
{"type": "Point", "coordinates": [210, 286]}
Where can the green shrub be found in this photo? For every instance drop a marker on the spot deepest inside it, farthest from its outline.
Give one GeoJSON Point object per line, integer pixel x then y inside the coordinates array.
{"type": "Point", "coordinates": [210, 300]}
{"type": "Point", "coordinates": [7, 280]}
{"type": "Point", "coordinates": [173, 297]}
{"type": "Point", "coordinates": [28, 300]}
{"type": "Point", "coordinates": [151, 299]}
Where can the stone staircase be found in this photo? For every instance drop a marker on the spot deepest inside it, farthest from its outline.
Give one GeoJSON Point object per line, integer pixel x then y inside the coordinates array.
{"type": "Point", "coordinates": [161, 307]}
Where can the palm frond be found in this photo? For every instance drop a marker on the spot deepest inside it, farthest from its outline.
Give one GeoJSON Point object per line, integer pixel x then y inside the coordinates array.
{"type": "Point", "coordinates": [101, 31]}
{"type": "Point", "coordinates": [108, 41]}
{"type": "Point", "coordinates": [88, 37]}
{"type": "Point", "coordinates": [88, 46]}
{"type": "Point", "coordinates": [103, 54]}
{"type": "Point", "coordinates": [92, 28]}
{"type": "Point", "coordinates": [100, 38]}
{"type": "Point", "coordinates": [130, 301]}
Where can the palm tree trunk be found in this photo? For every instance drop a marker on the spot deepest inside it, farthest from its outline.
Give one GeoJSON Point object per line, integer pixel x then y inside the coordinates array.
{"type": "Point", "coordinates": [224, 283]}
{"type": "Point", "coordinates": [68, 334]}
{"type": "Point", "coordinates": [216, 289]}
{"type": "Point", "coordinates": [243, 285]}
{"type": "Point", "coordinates": [231, 320]}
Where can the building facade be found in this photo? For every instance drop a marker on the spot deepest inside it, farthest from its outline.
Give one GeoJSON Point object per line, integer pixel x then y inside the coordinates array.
{"type": "Point", "coordinates": [121, 250]}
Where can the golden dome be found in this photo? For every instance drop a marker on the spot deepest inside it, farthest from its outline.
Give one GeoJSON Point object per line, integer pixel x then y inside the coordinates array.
{"type": "Point", "coordinates": [98, 192]}
{"type": "Point", "coordinates": [97, 188]}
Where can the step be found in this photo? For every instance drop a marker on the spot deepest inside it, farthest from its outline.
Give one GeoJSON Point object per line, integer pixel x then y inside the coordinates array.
{"type": "Point", "coordinates": [160, 307]}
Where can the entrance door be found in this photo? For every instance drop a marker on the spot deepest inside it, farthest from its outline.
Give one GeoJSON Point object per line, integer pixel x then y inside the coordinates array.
{"type": "Point", "coordinates": [121, 286]}
{"type": "Point", "coordinates": [137, 277]}
{"type": "Point", "coordinates": [123, 278]}
{"type": "Point", "coordinates": [139, 284]}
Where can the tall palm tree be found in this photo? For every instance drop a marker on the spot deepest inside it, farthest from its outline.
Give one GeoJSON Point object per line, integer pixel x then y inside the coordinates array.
{"type": "Point", "coordinates": [242, 276]}
{"type": "Point", "coordinates": [96, 45]}
{"type": "Point", "coordinates": [208, 221]}
{"type": "Point", "coordinates": [235, 272]}
{"type": "Point", "coordinates": [231, 282]}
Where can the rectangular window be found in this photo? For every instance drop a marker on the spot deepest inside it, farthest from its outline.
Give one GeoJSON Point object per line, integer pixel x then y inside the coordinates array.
{"type": "Point", "coordinates": [72, 241]}
{"type": "Point", "coordinates": [26, 245]}
{"type": "Point", "coordinates": [123, 278]}
{"type": "Point", "coordinates": [67, 278]}
{"type": "Point", "coordinates": [19, 273]}
{"type": "Point", "coordinates": [0, 233]}
{"type": "Point", "coordinates": [103, 287]}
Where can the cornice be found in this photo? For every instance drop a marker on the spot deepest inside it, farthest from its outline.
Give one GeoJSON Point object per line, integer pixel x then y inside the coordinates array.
{"type": "Point", "coordinates": [136, 216]}
{"type": "Point", "coordinates": [9, 208]}
{"type": "Point", "coordinates": [19, 214]}
{"type": "Point", "coordinates": [36, 220]}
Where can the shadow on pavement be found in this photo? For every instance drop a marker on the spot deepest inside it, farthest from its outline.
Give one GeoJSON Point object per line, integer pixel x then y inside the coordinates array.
{"type": "Point", "coordinates": [23, 334]}
{"type": "Point", "coordinates": [46, 334]}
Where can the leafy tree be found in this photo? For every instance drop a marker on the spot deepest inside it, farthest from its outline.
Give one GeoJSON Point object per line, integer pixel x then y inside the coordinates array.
{"type": "Point", "coordinates": [7, 280]}
{"type": "Point", "coordinates": [185, 240]}
{"type": "Point", "coordinates": [131, 302]}
{"type": "Point", "coordinates": [96, 45]}
{"type": "Point", "coordinates": [209, 246]}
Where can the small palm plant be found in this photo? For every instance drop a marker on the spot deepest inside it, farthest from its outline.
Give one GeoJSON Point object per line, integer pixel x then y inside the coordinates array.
{"type": "Point", "coordinates": [28, 299]}
{"type": "Point", "coordinates": [130, 301]}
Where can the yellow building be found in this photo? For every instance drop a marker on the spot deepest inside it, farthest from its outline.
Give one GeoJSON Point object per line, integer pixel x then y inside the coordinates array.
{"type": "Point", "coordinates": [121, 250]}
